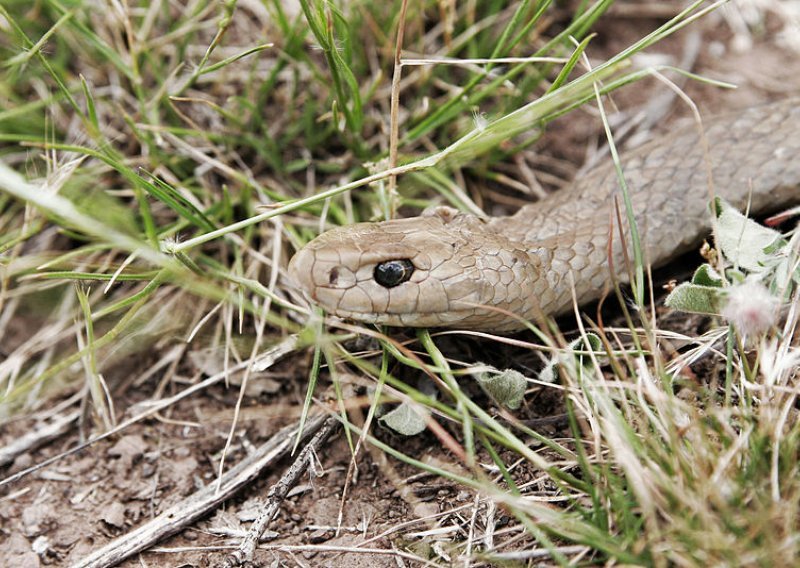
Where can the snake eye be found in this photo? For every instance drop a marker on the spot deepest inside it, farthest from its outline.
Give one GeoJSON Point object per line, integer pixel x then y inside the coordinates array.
{"type": "Point", "coordinates": [393, 272]}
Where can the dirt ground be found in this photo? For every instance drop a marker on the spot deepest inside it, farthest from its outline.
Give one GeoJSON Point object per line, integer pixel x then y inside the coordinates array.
{"type": "Point", "coordinates": [72, 507]}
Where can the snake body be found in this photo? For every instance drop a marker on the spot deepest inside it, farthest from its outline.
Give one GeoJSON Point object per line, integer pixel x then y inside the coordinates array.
{"type": "Point", "coordinates": [463, 271]}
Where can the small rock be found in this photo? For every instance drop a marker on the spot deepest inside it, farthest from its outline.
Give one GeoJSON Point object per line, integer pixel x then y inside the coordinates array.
{"type": "Point", "coordinates": [22, 461]}
{"type": "Point", "coordinates": [38, 519]}
{"type": "Point", "coordinates": [422, 510]}
{"type": "Point", "coordinates": [320, 535]}
{"type": "Point", "coordinates": [114, 515]}
{"type": "Point", "coordinates": [41, 545]}
{"type": "Point", "coordinates": [128, 449]}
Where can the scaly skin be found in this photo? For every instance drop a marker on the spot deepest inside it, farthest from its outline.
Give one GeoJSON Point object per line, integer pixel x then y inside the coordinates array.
{"type": "Point", "coordinates": [488, 275]}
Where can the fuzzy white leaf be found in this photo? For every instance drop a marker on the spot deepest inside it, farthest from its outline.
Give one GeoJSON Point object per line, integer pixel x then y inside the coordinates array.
{"type": "Point", "coordinates": [405, 420]}
{"type": "Point", "coordinates": [507, 387]}
{"type": "Point", "coordinates": [743, 241]}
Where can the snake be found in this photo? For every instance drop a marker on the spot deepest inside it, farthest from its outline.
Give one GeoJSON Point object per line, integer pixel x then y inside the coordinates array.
{"type": "Point", "coordinates": [451, 269]}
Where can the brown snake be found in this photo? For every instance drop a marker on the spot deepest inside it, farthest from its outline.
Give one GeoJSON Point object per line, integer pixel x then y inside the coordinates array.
{"type": "Point", "coordinates": [448, 269]}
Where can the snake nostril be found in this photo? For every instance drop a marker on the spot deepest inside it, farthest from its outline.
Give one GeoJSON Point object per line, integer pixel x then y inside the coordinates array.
{"type": "Point", "coordinates": [333, 276]}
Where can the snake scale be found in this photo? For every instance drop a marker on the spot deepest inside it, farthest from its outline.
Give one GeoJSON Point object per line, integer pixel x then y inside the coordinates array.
{"type": "Point", "coordinates": [449, 269]}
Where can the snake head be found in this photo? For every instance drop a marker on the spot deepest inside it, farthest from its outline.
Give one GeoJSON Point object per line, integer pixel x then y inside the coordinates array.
{"type": "Point", "coordinates": [438, 270]}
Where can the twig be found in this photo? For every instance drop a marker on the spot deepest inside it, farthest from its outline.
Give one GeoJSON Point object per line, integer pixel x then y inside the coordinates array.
{"type": "Point", "coordinates": [277, 494]}
{"type": "Point", "coordinates": [37, 437]}
{"type": "Point", "coordinates": [201, 502]}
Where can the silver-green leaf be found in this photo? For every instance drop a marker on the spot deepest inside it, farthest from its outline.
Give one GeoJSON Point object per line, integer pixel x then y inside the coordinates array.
{"type": "Point", "coordinates": [506, 387]}
{"type": "Point", "coordinates": [744, 242]}
{"type": "Point", "coordinates": [406, 419]}
{"type": "Point", "coordinates": [696, 299]}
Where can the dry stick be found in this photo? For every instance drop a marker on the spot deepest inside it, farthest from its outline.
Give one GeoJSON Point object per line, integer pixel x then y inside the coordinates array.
{"type": "Point", "coordinates": [522, 555]}
{"type": "Point", "coordinates": [278, 492]}
{"type": "Point", "coordinates": [38, 437]}
{"type": "Point", "coordinates": [201, 502]}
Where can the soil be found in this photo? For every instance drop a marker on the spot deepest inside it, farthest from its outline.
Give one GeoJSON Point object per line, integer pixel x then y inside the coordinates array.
{"type": "Point", "coordinates": [66, 510]}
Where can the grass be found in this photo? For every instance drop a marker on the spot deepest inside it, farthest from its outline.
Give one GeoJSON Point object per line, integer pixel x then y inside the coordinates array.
{"type": "Point", "coordinates": [160, 164]}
